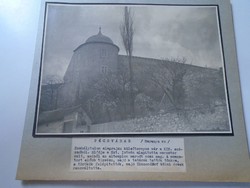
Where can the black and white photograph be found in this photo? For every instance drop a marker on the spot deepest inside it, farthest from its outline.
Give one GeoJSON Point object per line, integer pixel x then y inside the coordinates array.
{"type": "Point", "coordinates": [132, 69]}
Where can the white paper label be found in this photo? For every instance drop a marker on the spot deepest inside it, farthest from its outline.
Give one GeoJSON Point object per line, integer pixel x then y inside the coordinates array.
{"type": "Point", "coordinates": [128, 154]}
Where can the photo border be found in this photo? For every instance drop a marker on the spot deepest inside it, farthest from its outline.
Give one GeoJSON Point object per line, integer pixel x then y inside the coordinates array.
{"type": "Point", "coordinates": [127, 134]}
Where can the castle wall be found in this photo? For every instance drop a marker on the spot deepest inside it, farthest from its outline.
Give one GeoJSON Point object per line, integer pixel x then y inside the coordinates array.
{"type": "Point", "coordinates": [202, 85]}
{"type": "Point", "coordinates": [109, 100]}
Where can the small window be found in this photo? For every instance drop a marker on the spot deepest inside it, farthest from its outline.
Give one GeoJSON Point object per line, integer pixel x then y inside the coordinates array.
{"type": "Point", "coordinates": [104, 69]}
{"type": "Point", "coordinates": [103, 53]}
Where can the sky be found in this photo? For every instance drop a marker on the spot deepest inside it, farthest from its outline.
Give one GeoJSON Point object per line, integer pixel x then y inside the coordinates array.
{"type": "Point", "coordinates": [161, 32]}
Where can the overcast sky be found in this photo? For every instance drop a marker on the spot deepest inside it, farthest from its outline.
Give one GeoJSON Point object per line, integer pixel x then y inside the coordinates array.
{"type": "Point", "coordinates": [160, 32]}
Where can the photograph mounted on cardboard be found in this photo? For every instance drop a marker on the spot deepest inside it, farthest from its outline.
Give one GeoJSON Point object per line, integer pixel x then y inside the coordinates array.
{"type": "Point", "coordinates": [136, 69]}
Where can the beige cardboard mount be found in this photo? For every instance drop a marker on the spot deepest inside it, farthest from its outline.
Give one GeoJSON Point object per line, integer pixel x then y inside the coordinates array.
{"type": "Point", "coordinates": [215, 158]}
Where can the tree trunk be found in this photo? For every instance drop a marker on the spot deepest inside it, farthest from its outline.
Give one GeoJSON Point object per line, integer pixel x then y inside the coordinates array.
{"type": "Point", "coordinates": [131, 80]}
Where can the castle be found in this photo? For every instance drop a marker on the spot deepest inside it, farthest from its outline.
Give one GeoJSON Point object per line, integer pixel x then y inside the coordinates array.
{"type": "Point", "coordinates": [95, 88]}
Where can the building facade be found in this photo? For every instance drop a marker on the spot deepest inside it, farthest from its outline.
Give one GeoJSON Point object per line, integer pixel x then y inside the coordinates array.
{"type": "Point", "coordinates": [97, 82]}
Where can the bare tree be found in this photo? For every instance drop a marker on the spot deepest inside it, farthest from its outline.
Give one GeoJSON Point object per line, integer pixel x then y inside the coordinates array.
{"type": "Point", "coordinates": [49, 93]}
{"type": "Point", "coordinates": [111, 91]}
{"type": "Point", "coordinates": [127, 33]}
{"type": "Point", "coordinates": [169, 78]}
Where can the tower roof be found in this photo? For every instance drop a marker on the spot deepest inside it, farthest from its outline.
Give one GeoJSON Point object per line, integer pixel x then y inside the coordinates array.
{"type": "Point", "coordinates": [99, 38]}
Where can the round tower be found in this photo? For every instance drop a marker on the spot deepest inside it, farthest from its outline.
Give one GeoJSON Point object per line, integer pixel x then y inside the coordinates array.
{"type": "Point", "coordinates": [97, 56]}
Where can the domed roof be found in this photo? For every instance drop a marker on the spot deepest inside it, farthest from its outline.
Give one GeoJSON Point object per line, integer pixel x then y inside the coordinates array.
{"type": "Point", "coordinates": [99, 38]}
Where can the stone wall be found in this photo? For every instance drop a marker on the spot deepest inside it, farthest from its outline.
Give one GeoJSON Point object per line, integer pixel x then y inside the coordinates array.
{"type": "Point", "coordinates": [88, 62]}
{"type": "Point", "coordinates": [201, 87]}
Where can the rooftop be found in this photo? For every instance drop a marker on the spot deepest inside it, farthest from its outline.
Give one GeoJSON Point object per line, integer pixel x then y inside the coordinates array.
{"type": "Point", "coordinates": [99, 38]}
